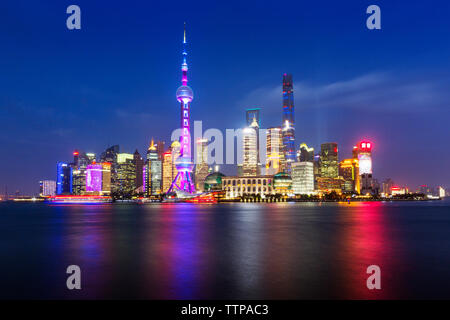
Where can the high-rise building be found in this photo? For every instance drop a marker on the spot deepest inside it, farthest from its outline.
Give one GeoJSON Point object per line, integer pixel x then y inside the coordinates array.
{"type": "Point", "coordinates": [349, 170]}
{"type": "Point", "coordinates": [106, 178]}
{"type": "Point", "coordinates": [94, 174]}
{"type": "Point", "coordinates": [126, 174]}
{"type": "Point", "coordinates": [274, 151]}
{"type": "Point", "coordinates": [184, 179]}
{"type": "Point", "coordinates": [201, 164]}
{"type": "Point", "coordinates": [110, 156]}
{"type": "Point", "coordinates": [80, 161]}
{"type": "Point", "coordinates": [329, 165]}
{"type": "Point", "coordinates": [90, 157]}
{"type": "Point", "coordinates": [288, 125]}
{"type": "Point", "coordinates": [316, 170]}
{"type": "Point", "coordinates": [160, 149]}
{"type": "Point", "coordinates": [250, 116]}
{"type": "Point", "coordinates": [167, 170]}
{"type": "Point", "coordinates": [249, 144]}
{"type": "Point", "coordinates": [364, 153]}
{"type": "Point", "coordinates": [302, 177]}
{"type": "Point", "coordinates": [153, 172]}
{"type": "Point", "coordinates": [305, 153]}
{"type": "Point", "coordinates": [63, 178]}
{"type": "Point", "coordinates": [139, 165]}
{"type": "Point", "coordinates": [47, 188]}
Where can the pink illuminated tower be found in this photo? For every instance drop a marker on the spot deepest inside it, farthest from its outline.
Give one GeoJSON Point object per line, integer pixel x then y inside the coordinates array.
{"type": "Point", "coordinates": [184, 180]}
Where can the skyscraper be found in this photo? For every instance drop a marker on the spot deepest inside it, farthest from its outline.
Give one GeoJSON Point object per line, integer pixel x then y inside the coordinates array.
{"type": "Point", "coordinates": [253, 115]}
{"type": "Point", "coordinates": [184, 180]}
{"type": "Point", "coordinates": [288, 125]}
{"type": "Point", "coordinates": [126, 174]}
{"type": "Point", "coordinates": [303, 177]}
{"type": "Point", "coordinates": [110, 156]}
{"type": "Point", "coordinates": [349, 170]}
{"type": "Point", "coordinates": [167, 170]}
{"type": "Point", "coordinates": [274, 151]}
{"type": "Point", "coordinates": [47, 188]}
{"type": "Point", "coordinates": [201, 166]}
{"type": "Point", "coordinates": [153, 172]}
{"type": "Point", "coordinates": [160, 149]}
{"type": "Point", "coordinates": [329, 167]}
{"type": "Point", "coordinates": [63, 178]}
{"type": "Point", "coordinates": [364, 153]}
{"type": "Point", "coordinates": [250, 161]}
{"type": "Point", "coordinates": [139, 165]}
{"type": "Point", "coordinates": [305, 153]}
{"type": "Point", "coordinates": [106, 178]}
{"type": "Point", "coordinates": [94, 174]}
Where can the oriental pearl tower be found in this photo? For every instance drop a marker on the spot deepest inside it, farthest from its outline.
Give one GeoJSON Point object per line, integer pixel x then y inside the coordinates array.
{"type": "Point", "coordinates": [184, 180]}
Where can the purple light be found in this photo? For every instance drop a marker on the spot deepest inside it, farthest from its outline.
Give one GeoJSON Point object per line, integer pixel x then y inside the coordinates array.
{"type": "Point", "coordinates": [94, 178]}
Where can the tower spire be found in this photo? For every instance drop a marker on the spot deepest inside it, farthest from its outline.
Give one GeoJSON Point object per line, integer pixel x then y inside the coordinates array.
{"type": "Point", "coordinates": [184, 66]}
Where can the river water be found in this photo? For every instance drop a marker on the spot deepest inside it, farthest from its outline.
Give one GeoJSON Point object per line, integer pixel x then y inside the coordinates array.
{"type": "Point", "coordinates": [226, 251]}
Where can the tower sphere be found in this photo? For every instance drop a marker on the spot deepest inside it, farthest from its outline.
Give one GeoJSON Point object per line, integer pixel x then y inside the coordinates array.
{"type": "Point", "coordinates": [185, 94]}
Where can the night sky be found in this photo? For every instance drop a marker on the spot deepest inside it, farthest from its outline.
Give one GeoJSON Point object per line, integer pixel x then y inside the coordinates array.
{"type": "Point", "coordinates": [114, 81]}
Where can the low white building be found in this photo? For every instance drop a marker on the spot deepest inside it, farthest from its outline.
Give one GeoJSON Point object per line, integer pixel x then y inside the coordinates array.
{"type": "Point", "coordinates": [235, 187]}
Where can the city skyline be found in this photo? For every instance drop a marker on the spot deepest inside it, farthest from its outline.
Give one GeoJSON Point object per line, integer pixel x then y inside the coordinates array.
{"type": "Point", "coordinates": [398, 130]}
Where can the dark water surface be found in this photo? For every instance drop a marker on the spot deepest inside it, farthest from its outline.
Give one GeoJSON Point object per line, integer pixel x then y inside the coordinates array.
{"type": "Point", "coordinates": [237, 251]}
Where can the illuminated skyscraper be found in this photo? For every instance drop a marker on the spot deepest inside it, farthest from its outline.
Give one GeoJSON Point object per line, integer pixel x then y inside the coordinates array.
{"type": "Point", "coordinates": [153, 172]}
{"type": "Point", "coordinates": [364, 152]}
{"type": "Point", "coordinates": [167, 171]}
{"type": "Point", "coordinates": [184, 180]}
{"type": "Point", "coordinates": [94, 173]}
{"type": "Point", "coordinates": [305, 153]}
{"type": "Point", "coordinates": [63, 178]}
{"type": "Point", "coordinates": [110, 156]}
{"type": "Point", "coordinates": [126, 174]}
{"type": "Point", "coordinates": [160, 149]}
{"type": "Point", "coordinates": [329, 166]}
{"type": "Point", "coordinates": [303, 177]}
{"type": "Point", "coordinates": [201, 164]}
{"type": "Point", "coordinates": [251, 115]}
{"type": "Point", "coordinates": [349, 170]}
{"type": "Point", "coordinates": [288, 125]}
{"type": "Point", "coordinates": [106, 178]}
{"type": "Point", "coordinates": [139, 165]}
{"type": "Point", "coordinates": [250, 161]}
{"type": "Point", "coordinates": [47, 188]}
{"type": "Point", "coordinates": [274, 151]}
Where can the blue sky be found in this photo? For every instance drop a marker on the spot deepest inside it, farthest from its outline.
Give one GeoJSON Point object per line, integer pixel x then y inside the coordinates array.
{"type": "Point", "coordinates": [114, 81]}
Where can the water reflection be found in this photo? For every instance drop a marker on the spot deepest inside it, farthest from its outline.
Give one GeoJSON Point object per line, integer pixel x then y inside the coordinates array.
{"type": "Point", "coordinates": [178, 252]}
{"type": "Point", "coordinates": [240, 251]}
